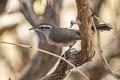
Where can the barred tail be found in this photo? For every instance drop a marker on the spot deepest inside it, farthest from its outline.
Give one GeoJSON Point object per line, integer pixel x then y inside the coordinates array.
{"type": "Point", "coordinates": [103, 27]}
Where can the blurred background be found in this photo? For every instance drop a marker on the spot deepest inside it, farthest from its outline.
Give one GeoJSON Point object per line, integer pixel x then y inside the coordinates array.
{"type": "Point", "coordinates": [14, 28]}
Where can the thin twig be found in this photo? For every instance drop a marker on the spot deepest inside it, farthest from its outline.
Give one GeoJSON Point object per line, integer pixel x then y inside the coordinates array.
{"type": "Point", "coordinates": [49, 53]}
{"type": "Point", "coordinates": [101, 20]}
{"type": "Point", "coordinates": [99, 47]}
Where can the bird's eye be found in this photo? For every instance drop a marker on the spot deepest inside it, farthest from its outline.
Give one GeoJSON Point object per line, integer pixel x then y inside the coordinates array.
{"type": "Point", "coordinates": [47, 28]}
{"type": "Point", "coordinates": [41, 27]}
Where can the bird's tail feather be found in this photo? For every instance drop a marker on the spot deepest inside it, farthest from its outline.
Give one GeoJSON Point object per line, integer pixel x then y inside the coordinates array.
{"type": "Point", "coordinates": [102, 27]}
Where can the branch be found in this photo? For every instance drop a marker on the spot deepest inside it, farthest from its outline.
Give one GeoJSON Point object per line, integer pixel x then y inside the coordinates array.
{"type": "Point", "coordinates": [27, 9]}
{"type": "Point", "coordinates": [87, 50]}
{"type": "Point", "coordinates": [62, 67]}
{"type": "Point", "coordinates": [52, 54]}
{"type": "Point", "coordinates": [101, 52]}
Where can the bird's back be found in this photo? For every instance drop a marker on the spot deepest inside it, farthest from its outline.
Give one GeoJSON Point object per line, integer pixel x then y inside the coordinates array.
{"type": "Point", "coordinates": [64, 35]}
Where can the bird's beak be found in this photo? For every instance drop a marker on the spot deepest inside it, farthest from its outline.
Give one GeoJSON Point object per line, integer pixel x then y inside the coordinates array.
{"type": "Point", "coordinates": [34, 28]}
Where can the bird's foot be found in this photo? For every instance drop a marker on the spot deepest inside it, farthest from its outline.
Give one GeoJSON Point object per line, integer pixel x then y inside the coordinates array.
{"type": "Point", "coordinates": [73, 49]}
{"type": "Point", "coordinates": [78, 22]}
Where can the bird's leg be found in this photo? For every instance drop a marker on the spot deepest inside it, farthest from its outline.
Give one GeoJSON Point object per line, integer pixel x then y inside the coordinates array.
{"type": "Point", "coordinates": [70, 46]}
{"type": "Point", "coordinates": [78, 22]}
{"type": "Point", "coordinates": [71, 49]}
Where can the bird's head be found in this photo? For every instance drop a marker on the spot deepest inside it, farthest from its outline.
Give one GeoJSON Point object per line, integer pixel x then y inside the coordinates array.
{"type": "Point", "coordinates": [44, 28]}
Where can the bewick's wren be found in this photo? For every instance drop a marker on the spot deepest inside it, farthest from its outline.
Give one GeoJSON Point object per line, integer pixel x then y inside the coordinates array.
{"type": "Point", "coordinates": [63, 37]}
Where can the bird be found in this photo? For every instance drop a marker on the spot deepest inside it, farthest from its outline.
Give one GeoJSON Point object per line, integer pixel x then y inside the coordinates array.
{"type": "Point", "coordinates": [63, 37]}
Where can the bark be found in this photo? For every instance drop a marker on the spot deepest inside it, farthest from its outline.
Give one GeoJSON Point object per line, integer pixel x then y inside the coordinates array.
{"type": "Point", "coordinates": [87, 50]}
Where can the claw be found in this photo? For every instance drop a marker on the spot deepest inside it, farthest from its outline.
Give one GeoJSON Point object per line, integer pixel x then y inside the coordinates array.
{"type": "Point", "coordinates": [75, 22]}
{"type": "Point", "coordinates": [73, 49]}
